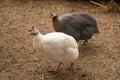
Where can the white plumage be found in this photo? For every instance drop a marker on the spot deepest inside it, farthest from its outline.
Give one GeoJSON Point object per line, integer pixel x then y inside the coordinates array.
{"type": "Point", "coordinates": [58, 47]}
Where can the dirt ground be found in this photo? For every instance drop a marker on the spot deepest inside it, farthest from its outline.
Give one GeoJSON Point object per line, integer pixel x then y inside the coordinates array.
{"type": "Point", "coordinates": [98, 60]}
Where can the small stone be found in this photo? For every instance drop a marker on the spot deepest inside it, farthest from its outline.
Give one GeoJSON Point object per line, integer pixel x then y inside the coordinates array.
{"type": "Point", "coordinates": [3, 71]}
{"type": "Point", "coordinates": [113, 68]}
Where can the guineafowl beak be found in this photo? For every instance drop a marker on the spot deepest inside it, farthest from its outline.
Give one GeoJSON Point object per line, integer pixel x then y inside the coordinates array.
{"type": "Point", "coordinates": [30, 33]}
{"type": "Point", "coordinates": [50, 16]}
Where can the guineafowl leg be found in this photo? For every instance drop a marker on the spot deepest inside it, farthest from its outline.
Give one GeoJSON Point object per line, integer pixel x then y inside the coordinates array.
{"type": "Point", "coordinates": [56, 69]}
{"type": "Point", "coordinates": [70, 66]}
{"type": "Point", "coordinates": [86, 41]}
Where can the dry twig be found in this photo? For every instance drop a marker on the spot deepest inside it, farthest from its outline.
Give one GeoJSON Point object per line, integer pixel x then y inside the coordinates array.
{"type": "Point", "coordinates": [98, 4]}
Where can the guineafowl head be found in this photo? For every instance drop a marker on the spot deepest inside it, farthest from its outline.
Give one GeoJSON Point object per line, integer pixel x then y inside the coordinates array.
{"type": "Point", "coordinates": [33, 31]}
{"type": "Point", "coordinates": [53, 15]}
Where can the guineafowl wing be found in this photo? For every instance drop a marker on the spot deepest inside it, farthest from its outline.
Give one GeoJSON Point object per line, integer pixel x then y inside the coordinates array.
{"type": "Point", "coordinates": [70, 30]}
{"type": "Point", "coordinates": [86, 34]}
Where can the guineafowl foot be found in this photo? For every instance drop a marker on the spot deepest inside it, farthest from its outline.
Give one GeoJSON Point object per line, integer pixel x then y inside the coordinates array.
{"type": "Point", "coordinates": [70, 66]}
{"type": "Point", "coordinates": [86, 41]}
{"type": "Point", "coordinates": [52, 71]}
{"type": "Point", "coordinates": [56, 69]}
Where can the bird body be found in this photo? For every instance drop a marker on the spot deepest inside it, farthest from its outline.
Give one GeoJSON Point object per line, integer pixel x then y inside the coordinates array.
{"type": "Point", "coordinates": [60, 47]}
{"type": "Point", "coordinates": [79, 25]}
{"type": "Point", "coordinates": [56, 46]}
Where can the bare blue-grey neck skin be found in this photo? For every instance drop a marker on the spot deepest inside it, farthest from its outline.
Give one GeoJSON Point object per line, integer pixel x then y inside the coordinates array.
{"type": "Point", "coordinates": [34, 31]}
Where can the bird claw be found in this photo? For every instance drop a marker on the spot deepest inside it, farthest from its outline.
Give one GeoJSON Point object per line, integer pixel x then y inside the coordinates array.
{"type": "Point", "coordinates": [85, 42]}
{"type": "Point", "coordinates": [56, 69]}
{"type": "Point", "coordinates": [52, 71]}
{"type": "Point", "coordinates": [70, 67]}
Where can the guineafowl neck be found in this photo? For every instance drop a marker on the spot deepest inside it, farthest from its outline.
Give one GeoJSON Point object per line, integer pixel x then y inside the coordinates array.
{"type": "Point", "coordinates": [56, 23]}
{"type": "Point", "coordinates": [55, 19]}
{"type": "Point", "coordinates": [38, 37]}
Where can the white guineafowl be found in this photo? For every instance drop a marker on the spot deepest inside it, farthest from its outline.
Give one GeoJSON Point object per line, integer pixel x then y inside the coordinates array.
{"type": "Point", "coordinates": [56, 46]}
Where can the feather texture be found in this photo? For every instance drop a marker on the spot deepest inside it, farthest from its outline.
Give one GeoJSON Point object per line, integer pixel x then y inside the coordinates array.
{"type": "Point", "coordinates": [79, 25]}
{"type": "Point", "coordinates": [57, 46]}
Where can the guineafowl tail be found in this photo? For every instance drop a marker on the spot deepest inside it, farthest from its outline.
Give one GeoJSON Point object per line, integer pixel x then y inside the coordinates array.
{"type": "Point", "coordinates": [96, 30]}
{"type": "Point", "coordinates": [93, 29]}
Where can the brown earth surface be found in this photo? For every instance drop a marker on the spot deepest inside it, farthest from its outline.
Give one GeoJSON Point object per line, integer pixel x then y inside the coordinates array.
{"type": "Point", "coordinates": [98, 60]}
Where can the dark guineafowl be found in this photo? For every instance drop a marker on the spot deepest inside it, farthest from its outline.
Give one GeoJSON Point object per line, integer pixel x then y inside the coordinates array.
{"type": "Point", "coordinates": [79, 25]}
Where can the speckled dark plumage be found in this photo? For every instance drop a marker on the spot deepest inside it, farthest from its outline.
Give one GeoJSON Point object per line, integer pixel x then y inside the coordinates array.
{"type": "Point", "coordinates": [79, 25]}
